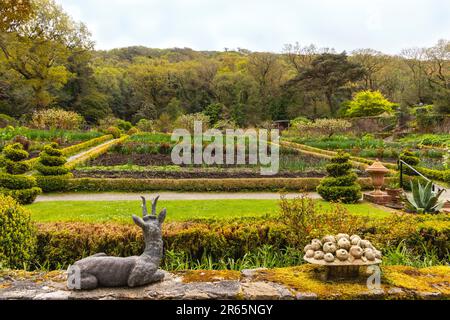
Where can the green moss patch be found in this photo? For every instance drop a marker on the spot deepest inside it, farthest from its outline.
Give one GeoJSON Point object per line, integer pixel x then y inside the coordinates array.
{"type": "Point", "coordinates": [310, 278]}
{"type": "Point", "coordinates": [209, 275]}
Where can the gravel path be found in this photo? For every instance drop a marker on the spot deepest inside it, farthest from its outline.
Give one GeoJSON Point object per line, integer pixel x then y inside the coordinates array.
{"type": "Point", "coordinates": [119, 196]}
{"type": "Point", "coordinates": [115, 196]}
{"type": "Point", "coordinates": [78, 155]}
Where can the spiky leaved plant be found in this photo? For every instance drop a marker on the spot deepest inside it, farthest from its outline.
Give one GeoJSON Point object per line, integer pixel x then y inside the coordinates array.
{"type": "Point", "coordinates": [423, 199]}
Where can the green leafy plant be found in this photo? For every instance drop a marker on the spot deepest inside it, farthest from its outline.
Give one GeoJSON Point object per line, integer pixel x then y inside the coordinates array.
{"type": "Point", "coordinates": [17, 234]}
{"type": "Point", "coordinates": [423, 199]}
{"type": "Point", "coordinates": [53, 174]}
{"type": "Point", "coordinates": [56, 119]}
{"type": "Point", "coordinates": [13, 183]}
{"type": "Point", "coordinates": [369, 103]}
{"type": "Point", "coordinates": [340, 184]}
{"type": "Point", "coordinates": [114, 131]}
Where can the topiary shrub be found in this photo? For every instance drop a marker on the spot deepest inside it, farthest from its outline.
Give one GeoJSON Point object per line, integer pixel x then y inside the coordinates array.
{"type": "Point", "coordinates": [12, 182]}
{"type": "Point", "coordinates": [17, 235]}
{"type": "Point", "coordinates": [132, 131]}
{"type": "Point", "coordinates": [53, 175]}
{"type": "Point", "coordinates": [340, 184]}
{"type": "Point", "coordinates": [114, 131]}
{"type": "Point", "coordinates": [124, 125]}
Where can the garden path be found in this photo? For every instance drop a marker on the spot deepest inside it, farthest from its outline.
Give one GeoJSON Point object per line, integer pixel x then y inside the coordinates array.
{"type": "Point", "coordinates": [81, 154]}
{"type": "Point", "coordinates": [116, 196]}
{"type": "Point", "coordinates": [121, 196]}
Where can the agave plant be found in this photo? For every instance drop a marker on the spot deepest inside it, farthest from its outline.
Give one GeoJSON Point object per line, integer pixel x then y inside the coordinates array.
{"type": "Point", "coordinates": [423, 199]}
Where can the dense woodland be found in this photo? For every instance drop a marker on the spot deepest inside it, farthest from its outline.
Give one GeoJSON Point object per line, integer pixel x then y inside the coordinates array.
{"type": "Point", "coordinates": [47, 60]}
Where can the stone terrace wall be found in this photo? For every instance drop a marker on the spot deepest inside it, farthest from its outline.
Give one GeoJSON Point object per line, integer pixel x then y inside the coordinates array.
{"type": "Point", "coordinates": [300, 283]}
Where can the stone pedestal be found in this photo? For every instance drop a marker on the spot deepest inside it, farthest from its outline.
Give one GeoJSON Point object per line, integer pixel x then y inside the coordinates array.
{"type": "Point", "coordinates": [380, 198]}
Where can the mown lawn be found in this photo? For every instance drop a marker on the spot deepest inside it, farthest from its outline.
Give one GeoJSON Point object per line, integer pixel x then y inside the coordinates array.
{"type": "Point", "coordinates": [177, 210]}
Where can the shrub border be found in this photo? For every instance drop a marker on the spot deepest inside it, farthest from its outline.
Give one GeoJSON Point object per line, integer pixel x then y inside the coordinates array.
{"type": "Point", "coordinates": [360, 163]}
{"type": "Point", "coordinates": [94, 153]}
{"type": "Point", "coordinates": [199, 185]}
{"type": "Point", "coordinates": [69, 151]}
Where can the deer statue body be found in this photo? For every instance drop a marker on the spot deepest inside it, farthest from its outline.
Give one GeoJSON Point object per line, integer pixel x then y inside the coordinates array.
{"type": "Point", "coordinates": [101, 270]}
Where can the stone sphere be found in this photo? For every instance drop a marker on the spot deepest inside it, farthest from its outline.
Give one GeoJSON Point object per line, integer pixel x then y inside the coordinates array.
{"type": "Point", "coordinates": [308, 247]}
{"type": "Point", "coordinates": [309, 254]}
{"type": "Point", "coordinates": [342, 254]}
{"type": "Point", "coordinates": [318, 255]}
{"type": "Point", "coordinates": [316, 244]}
{"type": "Point", "coordinates": [356, 252]}
{"type": "Point", "coordinates": [344, 243]}
{"type": "Point", "coordinates": [342, 235]}
{"type": "Point", "coordinates": [329, 247]}
{"type": "Point", "coordinates": [328, 257]}
{"type": "Point", "coordinates": [369, 254]}
{"type": "Point", "coordinates": [365, 244]}
{"type": "Point", "coordinates": [354, 240]}
{"type": "Point", "coordinates": [329, 238]}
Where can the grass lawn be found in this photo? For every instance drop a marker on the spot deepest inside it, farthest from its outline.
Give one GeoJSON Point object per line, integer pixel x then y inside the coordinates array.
{"type": "Point", "coordinates": [177, 210]}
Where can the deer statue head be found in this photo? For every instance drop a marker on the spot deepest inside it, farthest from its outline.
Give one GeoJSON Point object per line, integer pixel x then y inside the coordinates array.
{"type": "Point", "coordinates": [151, 224]}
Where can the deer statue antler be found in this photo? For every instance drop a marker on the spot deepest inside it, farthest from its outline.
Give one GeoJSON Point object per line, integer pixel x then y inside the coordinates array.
{"type": "Point", "coordinates": [144, 207]}
{"type": "Point", "coordinates": [154, 202]}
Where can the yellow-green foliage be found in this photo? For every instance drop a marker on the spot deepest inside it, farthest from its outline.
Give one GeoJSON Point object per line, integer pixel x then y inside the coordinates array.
{"type": "Point", "coordinates": [431, 279]}
{"type": "Point", "coordinates": [85, 145]}
{"type": "Point", "coordinates": [209, 275]}
{"type": "Point", "coordinates": [69, 151]}
{"type": "Point", "coordinates": [17, 234]}
{"type": "Point", "coordinates": [421, 232]}
{"type": "Point", "coordinates": [357, 162]}
{"type": "Point", "coordinates": [310, 278]}
{"type": "Point", "coordinates": [306, 220]}
{"type": "Point", "coordinates": [51, 161]}
{"type": "Point", "coordinates": [56, 119]}
{"type": "Point", "coordinates": [94, 153]}
{"type": "Point", "coordinates": [64, 243]}
{"type": "Point", "coordinates": [13, 183]}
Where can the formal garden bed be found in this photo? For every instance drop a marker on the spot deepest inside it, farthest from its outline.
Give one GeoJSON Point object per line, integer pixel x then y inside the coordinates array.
{"type": "Point", "coordinates": [210, 245]}
{"type": "Point", "coordinates": [431, 149]}
{"type": "Point", "coordinates": [36, 139]}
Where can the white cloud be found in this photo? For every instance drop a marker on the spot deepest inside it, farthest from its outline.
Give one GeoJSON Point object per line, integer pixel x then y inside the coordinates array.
{"type": "Point", "coordinates": [263, 25]}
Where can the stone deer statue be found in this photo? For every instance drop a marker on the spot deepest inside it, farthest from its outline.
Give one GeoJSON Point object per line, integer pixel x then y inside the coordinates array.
{"type": "Point", "coordinates": [101, 270]}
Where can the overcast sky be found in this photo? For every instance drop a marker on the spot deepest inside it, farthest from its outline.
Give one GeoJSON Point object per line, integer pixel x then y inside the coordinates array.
{"type": "Point", "coordinates": [264, 25]}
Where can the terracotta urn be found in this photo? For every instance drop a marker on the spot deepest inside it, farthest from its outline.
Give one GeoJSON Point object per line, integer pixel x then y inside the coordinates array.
{"type": "Point", "coordinates": [377, 172]}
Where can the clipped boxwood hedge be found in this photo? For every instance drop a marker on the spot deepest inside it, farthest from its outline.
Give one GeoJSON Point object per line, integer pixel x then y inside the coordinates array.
{"type": "Point", "coordinates": [60, 244]}
{"type": "Point", "coordinates": [53, 183]}
{"type": "Point", "coordinates": [199, 185]}
{"type": "Point", "coordinates": [85, 145]}
{"type": "Point", "coordinates": [437, 175]}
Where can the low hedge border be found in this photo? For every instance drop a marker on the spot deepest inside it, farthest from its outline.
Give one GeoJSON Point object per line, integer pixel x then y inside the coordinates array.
{"type": "Point", "coordinates": [200, 185]}
{"type": "Point", "coordinates": [69, 151]}
{"type": "Point", "coordinates": [360, 163]}
{"type": "Point", "coordinates": [60, 244]}
{"type": "Point", "coordinates": [438, 175]}
{"type": "Point", "coordinates": [95, 152]}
